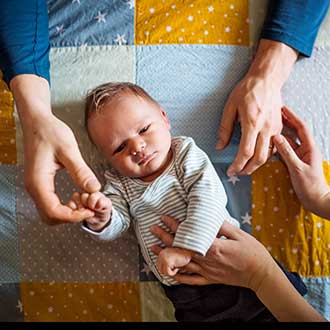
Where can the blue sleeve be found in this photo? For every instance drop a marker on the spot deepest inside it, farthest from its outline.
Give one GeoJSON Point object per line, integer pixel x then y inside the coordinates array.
{"type": "Point", "coordinates": [295, 22]}
{"type": "Point", "coordinates": [24, 38]}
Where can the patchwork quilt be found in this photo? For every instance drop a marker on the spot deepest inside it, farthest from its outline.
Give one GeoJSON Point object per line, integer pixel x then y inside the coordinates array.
{"type": "Point", "coordinates": [188, 55]}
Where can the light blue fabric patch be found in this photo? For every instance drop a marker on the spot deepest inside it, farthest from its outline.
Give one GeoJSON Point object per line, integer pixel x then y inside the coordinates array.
{"type": "Point", "coordinates": [78, 22]}
{"type": "Point", "coordinates": [238, 189]}
{"type": "Point", "coordinates": [192, 83]}
{"type": "Point", "coordinates": [318, 294]}
{"type": "Point", "coordinates": [66, 253]}
{"type": "Point", "coordinates": [11, 306]}
{"type": "Point", "coordinates": [306, 92]}
{"type": "Point", "coordinates": [9, 257]}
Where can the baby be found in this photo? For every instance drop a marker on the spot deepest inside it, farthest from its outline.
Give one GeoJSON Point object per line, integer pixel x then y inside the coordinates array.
{"type": "Point", "coordinates": [153, 174]}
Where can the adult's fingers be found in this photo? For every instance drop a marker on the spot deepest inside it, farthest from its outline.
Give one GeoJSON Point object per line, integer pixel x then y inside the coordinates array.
{"type": "Point", "coordinates": [81, 174]}
{"type": "Point", "coordinates": [227, 125]}
{"type": "Point", "coordinates": [303, 132]}
{"type": "Point", "coordinates": [191, 279]}
{"type": "Point", "coordinates": [156, 249]}
{"type": "Point", "coordinates": [289, 156]}
{"type": "Point", "coordinates": [40, 185]}
{"type": "Point", "coordinates": [246, 148]}
{"type": "Point", "coordinates": [60, 214]}
{"type": "Point", "coordinates": [163, 235]}
{"type": "Point", "coordinates": [263, 151]}
{"type": "Point", "coordinates": [192, 268]}
{"type": "Point", "coordinates": [170, 222]}
{"type": "Point", "coordinates": [229, 231]}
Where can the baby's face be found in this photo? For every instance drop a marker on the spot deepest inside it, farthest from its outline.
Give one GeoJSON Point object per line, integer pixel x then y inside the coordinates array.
{"type": "Point", "coordinates": [134, 134]}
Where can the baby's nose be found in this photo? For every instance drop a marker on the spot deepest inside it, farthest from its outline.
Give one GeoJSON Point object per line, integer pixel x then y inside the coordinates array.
{"type": "Point", "coordinates": [138, 148]}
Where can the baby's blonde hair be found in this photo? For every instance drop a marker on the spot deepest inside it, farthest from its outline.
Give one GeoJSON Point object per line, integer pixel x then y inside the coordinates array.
{"type": "Point", "coordinates": [108, 92]}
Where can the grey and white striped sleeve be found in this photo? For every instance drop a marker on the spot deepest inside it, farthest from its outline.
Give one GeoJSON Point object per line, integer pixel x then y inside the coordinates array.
{"type": "Point", "coordinates": [120, 217]}
{"type": "Point", "coordinates": [207, 201]}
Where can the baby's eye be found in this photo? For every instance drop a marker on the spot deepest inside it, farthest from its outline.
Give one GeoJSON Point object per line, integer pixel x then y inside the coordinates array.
{"type": "Point", "coordinates": [120, 148]}
{"type": "Point", "coordinates": [144, 129]}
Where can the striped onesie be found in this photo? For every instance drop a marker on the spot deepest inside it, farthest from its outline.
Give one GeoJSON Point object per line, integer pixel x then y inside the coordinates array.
{"type": "Point", "coordinates": [189, 190]}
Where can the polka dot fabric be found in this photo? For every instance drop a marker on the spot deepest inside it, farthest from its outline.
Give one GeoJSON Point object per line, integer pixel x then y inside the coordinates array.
{"type": "Point", "coordinates": [192, 22]}
{"type": "Point", "coordinates": [81, 302]}
{"type": "Point", "coordinates": [7, 125]}
{"type": "Point", "coordinates": [192, 83]}
{"type": "Point", "coordinates": [297, 238]}
{"type": "Point", "coordinates": [188, 55]}
{"type": "Point", "coordinates": [9, 245]}
{"type": "Point", "coordinates": [66, 253]}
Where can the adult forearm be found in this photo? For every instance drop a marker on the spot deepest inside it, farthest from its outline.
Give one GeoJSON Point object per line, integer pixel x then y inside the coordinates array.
{"type": "Point", "coordinates": [281, 298]}
{"type": "Point", "coordinates": [321, 206]}
{"type": "Point", "coordinates": [24, 38]}
{"type": "Point", "coordinates": [295, 22]}
{"type": "Point", "coordinates": [273, 62]}
{"type": "Point", "coordinates": [32, 98]}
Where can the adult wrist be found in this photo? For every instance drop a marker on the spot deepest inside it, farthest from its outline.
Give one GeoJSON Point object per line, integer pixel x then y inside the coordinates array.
{"type": "Point", "coordinates": [263, 275]}
{"type": "Point", "coordinates": [273, 62]}
{"type": "Point", "coordinates": [32, 98]}
{"type": "Point", "coordinates": [321, 206]}
{"type": "Point", "coordinates": [268, 276]}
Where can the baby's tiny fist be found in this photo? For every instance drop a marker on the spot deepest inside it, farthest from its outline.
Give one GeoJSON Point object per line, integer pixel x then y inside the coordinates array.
{"type": "Point", "coordinates": [103, 204]}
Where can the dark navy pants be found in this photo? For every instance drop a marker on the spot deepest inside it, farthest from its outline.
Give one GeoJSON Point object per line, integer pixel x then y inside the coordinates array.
{"type": "Point", "coordinates": [218, 302]}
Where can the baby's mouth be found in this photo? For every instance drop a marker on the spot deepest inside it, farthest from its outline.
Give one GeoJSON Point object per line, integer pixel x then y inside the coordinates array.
{"type": "Point", "coordinates": [146, 158]}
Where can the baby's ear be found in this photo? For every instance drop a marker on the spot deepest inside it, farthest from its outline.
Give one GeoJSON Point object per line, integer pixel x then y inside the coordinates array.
{"type": "Point", "coordinates": [167, 121]}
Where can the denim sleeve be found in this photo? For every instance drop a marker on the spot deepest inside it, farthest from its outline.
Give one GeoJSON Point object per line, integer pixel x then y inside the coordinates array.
{"type": "Point", "coordinates": [24, 38]}
{"type": "Point", "coordinates": [295, 22]}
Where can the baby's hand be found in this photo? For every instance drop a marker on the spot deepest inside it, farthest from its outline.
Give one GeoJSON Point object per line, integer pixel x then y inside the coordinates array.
{"type": "Point", "coordinates": [97, 202]}
{"type": "Point", "coordinates": [170, 260]}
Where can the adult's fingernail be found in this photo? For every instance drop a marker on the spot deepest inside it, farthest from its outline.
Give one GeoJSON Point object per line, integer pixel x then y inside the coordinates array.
{"type": "Point", "coordinates": [278, 139]}
{"type": "Point", "coordinates": [93, 185]}
{"type": "Point", "coordinates": [230, 172]}
{"type": "Point", "coordinates": [219, 144]}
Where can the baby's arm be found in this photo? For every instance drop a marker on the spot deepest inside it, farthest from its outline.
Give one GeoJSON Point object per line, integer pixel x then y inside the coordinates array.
{"type": "Point", "coordinates": [207, 200]}
{"type": "Point", "coordinates": [171, 260]}
{"type": "Point", "coordinates": [97, 202]}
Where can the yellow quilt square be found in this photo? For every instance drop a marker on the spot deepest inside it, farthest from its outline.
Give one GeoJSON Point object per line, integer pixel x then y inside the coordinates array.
{"type": "Point", "coordinates": [192, 22]}
{"type": "Point", "coordinates": [81, 302]}
{"type": "Point", "coordinates": [297, 238]}
{"type": "Point", "coordinates": [7, 126]}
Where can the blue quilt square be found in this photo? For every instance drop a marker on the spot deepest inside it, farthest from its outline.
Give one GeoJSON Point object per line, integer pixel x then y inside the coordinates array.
{"type": "Point", "coordinates": [192, 83]}
{"type": "Point", "coordinates": [78, 22]}
{"type": "Point", "coordinates": [9, 253]}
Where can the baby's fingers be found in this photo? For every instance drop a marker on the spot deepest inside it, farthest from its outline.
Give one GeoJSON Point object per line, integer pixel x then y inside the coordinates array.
{"type": "Point", "coordinates": [76, 201]}
{"type": "Point", "coordinates": [84, 199]}
{"type": "Point", "coordinates": [99, 202]}
{"type": "Point", "coordinates": [103, 204]}
{"type": "Point", "coordinates": [171, 271]}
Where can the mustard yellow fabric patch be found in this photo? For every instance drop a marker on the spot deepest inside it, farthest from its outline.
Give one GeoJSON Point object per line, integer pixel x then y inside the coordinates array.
{"type": "Point", "coordinates": [297, 238]}
{"type": "Point", "coordinates": [191, 22]}
{"type": "Point", "coordinates": [7, 125]}
{"type": "Point", "coordinates": [81, 302]}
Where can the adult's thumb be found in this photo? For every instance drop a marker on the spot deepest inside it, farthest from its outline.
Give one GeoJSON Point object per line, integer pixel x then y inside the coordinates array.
{"type": "Point", "coordinates": [81, 174]}
{"type": "Point", "coordinates": [289, 156]}
{"type": "Point", "coordinates": [229, 231]}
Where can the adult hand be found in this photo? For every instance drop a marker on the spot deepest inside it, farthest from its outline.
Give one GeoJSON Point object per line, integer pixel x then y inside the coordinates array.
{"type": "Point", "coordinates": [304, 163]}
{"type": "Point", "coordinates": [49, 145]}
{"type": "Point", "coordinates": [238, 260]}
{"type": "Point", "coordinates": [242, 261]}
{"type": "Point", "coordinates": [256, 102]}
